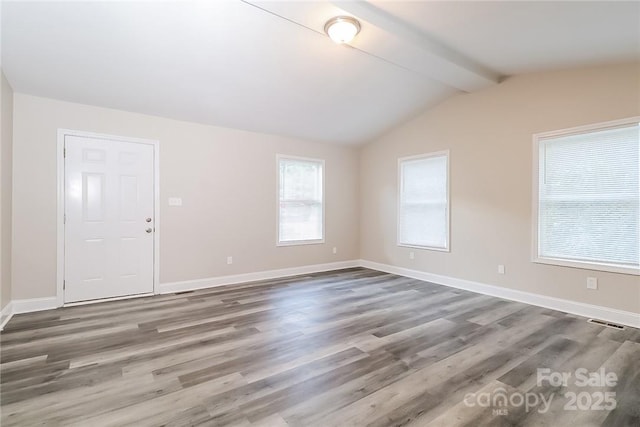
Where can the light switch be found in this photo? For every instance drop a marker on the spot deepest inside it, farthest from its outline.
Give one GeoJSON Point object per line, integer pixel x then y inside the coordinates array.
{"type": "Point", "coordinates": [592, 283]}
{"type": "Point", "coordinates": [175, 201]}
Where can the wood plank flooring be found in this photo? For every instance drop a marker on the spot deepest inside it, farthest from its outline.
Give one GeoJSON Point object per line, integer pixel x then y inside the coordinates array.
{"type": "Point", "coordinates": [352, 347]}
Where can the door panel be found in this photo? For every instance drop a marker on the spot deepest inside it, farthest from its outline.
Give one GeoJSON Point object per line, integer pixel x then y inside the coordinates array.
{"type": "Point", "coordinates": [93, 194]}
{"type": "Point", "coordinates": [109, 197]}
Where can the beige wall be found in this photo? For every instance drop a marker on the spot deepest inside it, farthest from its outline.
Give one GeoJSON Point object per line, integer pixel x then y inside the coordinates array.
{"type": "Point", "coordinates": [226, 178]}
{"type": "Point", "coordinates": [6, 143]}
{"type": "Point", "coordinates": [489, 134]}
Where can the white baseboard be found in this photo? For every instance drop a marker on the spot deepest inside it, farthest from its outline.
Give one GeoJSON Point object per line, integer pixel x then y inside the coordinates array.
{"type": "Point", "coordinates": [39, 304]}
{"type": "Point", "coordinates": [581, 309]}
{"type": "Point", "coordinates": [7, 313]}
{"type": "Point", "coordinates": [34, 304]}
{"type": "Point", "coordinates": [18, 306]}
{"type": "Point", "coordinates": [191, 285]}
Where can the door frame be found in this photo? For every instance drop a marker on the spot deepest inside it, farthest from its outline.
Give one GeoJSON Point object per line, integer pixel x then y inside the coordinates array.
{"type": "Point", "coordinates": [60, 256]}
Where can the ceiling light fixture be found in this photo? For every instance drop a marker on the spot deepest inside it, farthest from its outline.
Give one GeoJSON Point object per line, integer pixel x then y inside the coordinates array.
{"type": "Point", "coordinates": [342, 29]}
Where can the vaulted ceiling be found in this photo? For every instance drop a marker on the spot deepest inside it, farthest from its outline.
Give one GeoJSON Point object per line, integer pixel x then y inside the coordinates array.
{"type": "Point", "coordinates": [267, 66]}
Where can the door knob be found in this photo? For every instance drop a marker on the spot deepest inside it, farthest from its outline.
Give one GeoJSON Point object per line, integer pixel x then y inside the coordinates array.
{"type": "Point", "coordinates": [149, 230]}
{"type": "Point", "coordinates": [148, 219]}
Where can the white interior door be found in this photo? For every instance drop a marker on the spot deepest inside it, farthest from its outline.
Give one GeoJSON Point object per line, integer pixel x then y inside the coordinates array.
{"type": "Point", "coordinates": [109, 218]}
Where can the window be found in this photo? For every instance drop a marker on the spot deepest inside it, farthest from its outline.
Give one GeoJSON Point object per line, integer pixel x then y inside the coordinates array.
{"type": "Point", "coordinates": [423, 206]}
{"type": "Point", "coordinates": [588, 197]}
{"type": "Point", "coordinates": [300, 201]}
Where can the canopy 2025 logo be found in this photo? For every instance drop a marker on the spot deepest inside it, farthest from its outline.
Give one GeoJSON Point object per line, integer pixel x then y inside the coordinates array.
{"type": "Point", "coordinates": [593, 400]}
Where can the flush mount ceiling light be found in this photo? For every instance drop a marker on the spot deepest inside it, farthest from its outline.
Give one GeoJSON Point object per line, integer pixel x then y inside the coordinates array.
{"type": "Point", "coordinates": [342, 29]}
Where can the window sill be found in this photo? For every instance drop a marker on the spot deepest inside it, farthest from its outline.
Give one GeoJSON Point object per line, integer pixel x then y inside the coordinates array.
{"type": "Point", "coordinates": [585, 265]}
{"type": "Point", "coordinates": [429, 248]}
{"type": "Point", "coordinates": [301, 242]}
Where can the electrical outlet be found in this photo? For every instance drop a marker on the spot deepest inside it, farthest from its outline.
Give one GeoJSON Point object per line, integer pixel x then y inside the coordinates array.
{"type": "Point", "coordinates": [229, 260]}
{"type": "Point", "coordinates": [500, 269]}
{"type": "Point", "coordinates": [335, 250]}
{"type": "Point", "coordinates": [592, 283]}
{"type": "Point", "coordinates": [412, 255]}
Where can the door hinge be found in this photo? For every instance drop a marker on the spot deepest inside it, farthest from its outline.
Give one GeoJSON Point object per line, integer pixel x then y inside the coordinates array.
{"type": "Point", "coordinates": [64, 152]}
{"type": "Point", "coordinates": [64, 285]}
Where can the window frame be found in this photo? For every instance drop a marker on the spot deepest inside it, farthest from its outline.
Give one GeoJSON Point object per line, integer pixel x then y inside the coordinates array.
{"type": "Point", "coordinates": [279, 243]}
{"type": "Point", "coordinates": [441, 153]}
{"type": "Point", "coordinates": [538, 138]}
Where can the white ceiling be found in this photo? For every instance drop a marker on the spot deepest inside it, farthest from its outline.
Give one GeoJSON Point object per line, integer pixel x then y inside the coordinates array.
{"type": "Point", "coordinates": [266, 66]}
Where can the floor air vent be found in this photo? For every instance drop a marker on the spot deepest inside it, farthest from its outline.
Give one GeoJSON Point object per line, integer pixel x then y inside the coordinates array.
{"type": "Point", "coordinates": [607, 324]}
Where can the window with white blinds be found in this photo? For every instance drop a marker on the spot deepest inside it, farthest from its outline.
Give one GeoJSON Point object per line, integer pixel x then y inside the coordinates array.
{"type": "Point", "coordinates": [423, 207]}
{"type": "Point", "coordinates": [300, 201]}
{"type": "Point", "coordinates": [589, 197]}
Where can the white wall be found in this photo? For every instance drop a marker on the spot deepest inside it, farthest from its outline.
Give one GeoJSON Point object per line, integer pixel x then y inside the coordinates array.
{"type": "Point", "coordinates": [489, 134]}
{"type": "Point", "coordinates": [226, 178]}
{"type": "Point", "coordinates": [6, 143]}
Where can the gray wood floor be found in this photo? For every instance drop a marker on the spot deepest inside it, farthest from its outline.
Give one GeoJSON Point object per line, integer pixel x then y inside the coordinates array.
{"type": "Point", "coordinates": [345, 348]}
